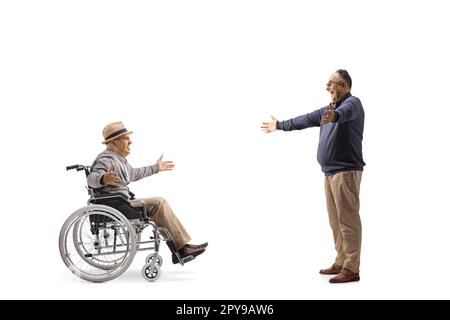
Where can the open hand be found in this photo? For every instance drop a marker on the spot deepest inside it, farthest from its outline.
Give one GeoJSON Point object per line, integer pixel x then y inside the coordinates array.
{"type": "Point", "coordinates": [110, 178]}
{"type": "Point", "coordinates": [329, 116]}
{"type": "Point", "coordinates": [164, 165]}
{"type": "Point", "coordinates": [269, 126]}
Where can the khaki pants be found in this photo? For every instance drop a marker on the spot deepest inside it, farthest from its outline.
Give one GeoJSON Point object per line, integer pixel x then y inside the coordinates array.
{"type": "Point", "coordinates": [342, 194]}
{"type": "Point", "coordinates": [161, 213]}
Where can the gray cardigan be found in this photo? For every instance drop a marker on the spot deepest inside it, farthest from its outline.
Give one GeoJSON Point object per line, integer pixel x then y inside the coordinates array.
{"type": "Point", "coordinates": [123, 170]}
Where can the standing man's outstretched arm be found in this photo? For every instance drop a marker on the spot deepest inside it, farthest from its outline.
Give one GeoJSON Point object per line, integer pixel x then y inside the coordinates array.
{"type": "Point", "coordinates": [312, 119]}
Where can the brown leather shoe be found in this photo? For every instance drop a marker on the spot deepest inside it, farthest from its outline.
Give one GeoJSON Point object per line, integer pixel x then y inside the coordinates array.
{"type": "Point", "coordinates": [185, 252]}
{"type": "Point", "coordinates": [197, 246]}
{"type": "Point", "coordinates": [345, 276]}
{"type": "Point", "coordinates": [334, 269]}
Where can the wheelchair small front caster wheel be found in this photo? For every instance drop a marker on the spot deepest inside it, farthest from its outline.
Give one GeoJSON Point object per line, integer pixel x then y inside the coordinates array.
{"type": "Point", "coordinates": [151, 273]}
{"type": "Point", "coordinates": [159, 260]}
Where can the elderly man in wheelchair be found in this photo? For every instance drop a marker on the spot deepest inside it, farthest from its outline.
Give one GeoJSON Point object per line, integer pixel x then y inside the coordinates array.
{"type": "Point", "coordinates": [98, 242]}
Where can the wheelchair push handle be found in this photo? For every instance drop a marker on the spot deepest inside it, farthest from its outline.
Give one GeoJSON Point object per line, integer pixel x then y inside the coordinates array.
{"type": "Point", "coordinates": [79, 167]}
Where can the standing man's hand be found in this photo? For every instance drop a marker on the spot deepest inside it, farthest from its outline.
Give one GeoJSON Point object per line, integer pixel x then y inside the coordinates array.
{"type": "Point", "coordinates": [164, 165]}
{"type": "Point", "coordinates": [329, 116]}
{"type": "Point", "coordinates": [110, 178]}
{"type": "Point", "coordinates": [269, 126]}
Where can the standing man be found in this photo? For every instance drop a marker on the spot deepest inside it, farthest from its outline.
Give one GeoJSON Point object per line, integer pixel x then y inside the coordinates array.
{"type": "Point", "coordinates": [340, 156]}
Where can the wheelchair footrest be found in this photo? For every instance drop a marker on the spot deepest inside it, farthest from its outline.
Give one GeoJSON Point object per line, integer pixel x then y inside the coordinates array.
{"type": "Point", "coordinates": [187, 259]}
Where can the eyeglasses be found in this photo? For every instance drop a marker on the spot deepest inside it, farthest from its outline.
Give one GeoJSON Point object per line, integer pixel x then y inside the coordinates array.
{"type": "Point", "coordinates": [329, 83]}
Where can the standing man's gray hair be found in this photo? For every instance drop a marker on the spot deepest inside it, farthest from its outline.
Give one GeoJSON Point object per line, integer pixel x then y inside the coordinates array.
{"type": "Point", "coordinates": [344, 75]}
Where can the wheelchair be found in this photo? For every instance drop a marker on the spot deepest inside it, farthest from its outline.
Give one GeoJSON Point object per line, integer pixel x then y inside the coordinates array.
{"type": "Point", "coordinates": [99, 241]}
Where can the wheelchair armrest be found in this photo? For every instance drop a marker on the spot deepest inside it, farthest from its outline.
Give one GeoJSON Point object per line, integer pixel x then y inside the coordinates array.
{"type": "Point", "coordinates": [121, 203]}
{"type": "Point", "coordinates": [143, 205]}
{"type": "Point", "coordinates": [111, 196]}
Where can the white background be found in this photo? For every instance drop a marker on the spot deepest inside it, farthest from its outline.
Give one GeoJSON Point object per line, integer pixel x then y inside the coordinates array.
{"type": "Point", "coordinates": [194, 80]}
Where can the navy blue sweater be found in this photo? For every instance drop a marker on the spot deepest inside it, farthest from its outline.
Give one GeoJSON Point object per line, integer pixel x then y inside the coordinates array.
{"type": "Point", "coordinates": [340, 142]}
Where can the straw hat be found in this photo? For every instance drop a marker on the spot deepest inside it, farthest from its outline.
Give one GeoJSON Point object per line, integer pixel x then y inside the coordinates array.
{"type": "Point", "coordinates": [114, 130]}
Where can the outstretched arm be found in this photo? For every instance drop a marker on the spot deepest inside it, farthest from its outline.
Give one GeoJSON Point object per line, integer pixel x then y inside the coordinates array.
{"type": "Point", "coordinates": [103, 173]}
{"type": "Point", "coordinates": [110, 178]}
{"type": "Point", "coordinates": [301, 122]}
{"type": "Point", "coordinates": [160, 165]}
{"type": "Point", "coordinates": [349, 109]}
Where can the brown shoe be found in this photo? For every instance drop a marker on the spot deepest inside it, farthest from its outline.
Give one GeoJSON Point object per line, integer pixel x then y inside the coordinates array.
{"type": "Point", "coordinates": [345, 276]}
{"type": "Point", "coordinates": [334, 269]}
{"type": "Point", "coordinates": [197, 246]}
{"type": "Point", "coordinates": [185, 252]}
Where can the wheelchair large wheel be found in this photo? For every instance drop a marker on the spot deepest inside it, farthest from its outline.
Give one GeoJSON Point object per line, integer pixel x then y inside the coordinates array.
{"type": "Point", "coordinates": [84, 248]}
{"type": "Point", "coordinates": [97, 243]}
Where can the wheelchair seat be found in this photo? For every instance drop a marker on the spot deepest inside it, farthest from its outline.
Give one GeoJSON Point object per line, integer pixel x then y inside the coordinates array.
{"type": "Point", "coordinates": [120, 203]}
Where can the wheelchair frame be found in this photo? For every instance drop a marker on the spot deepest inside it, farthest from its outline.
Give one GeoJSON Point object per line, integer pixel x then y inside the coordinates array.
{"type": "Point", "coordinates": [113, 239]}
